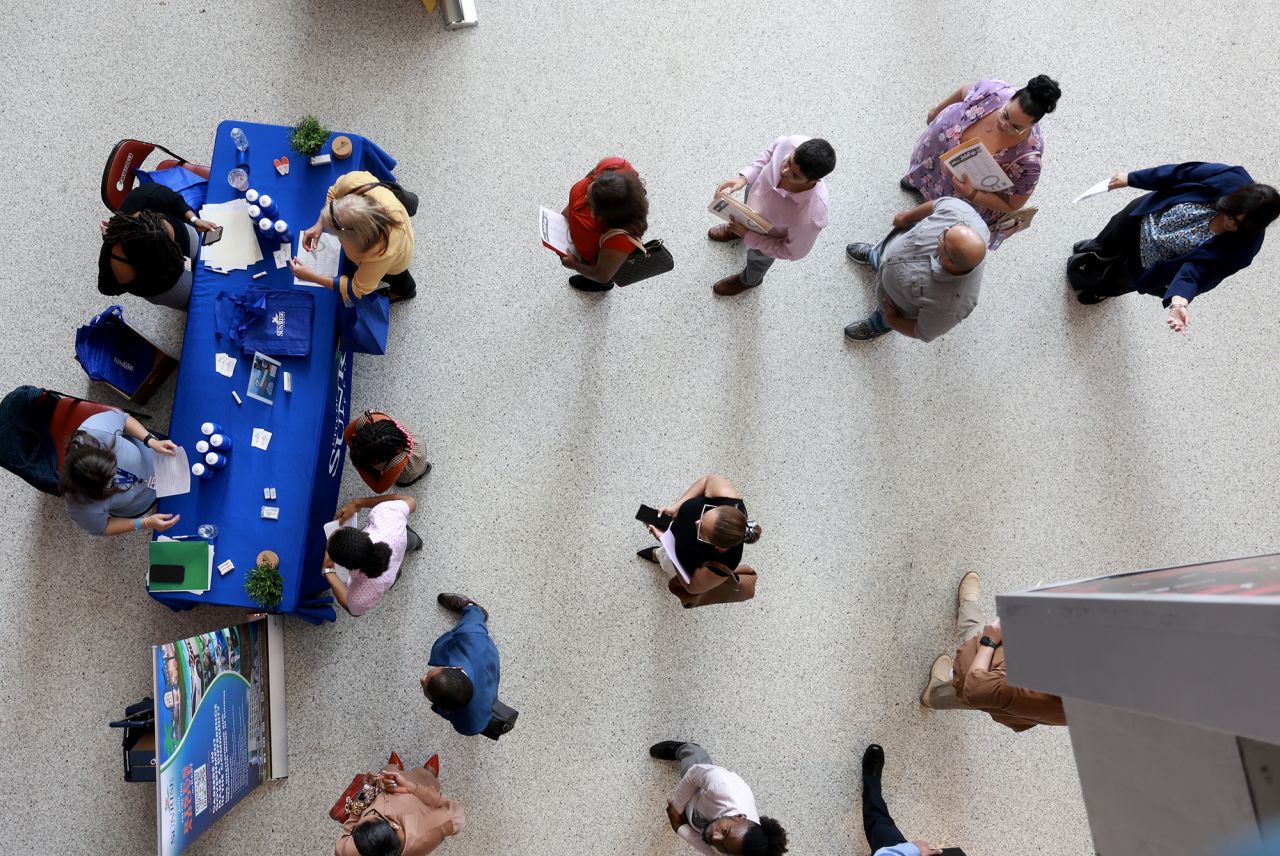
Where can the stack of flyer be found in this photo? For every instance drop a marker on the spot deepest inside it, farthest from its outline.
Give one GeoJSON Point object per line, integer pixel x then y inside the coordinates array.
{"type": "Point", "coordinates": [238, 249]}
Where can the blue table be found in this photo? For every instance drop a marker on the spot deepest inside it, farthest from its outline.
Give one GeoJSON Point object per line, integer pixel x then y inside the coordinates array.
{"type": "Point", "coordinates": [304, 459]}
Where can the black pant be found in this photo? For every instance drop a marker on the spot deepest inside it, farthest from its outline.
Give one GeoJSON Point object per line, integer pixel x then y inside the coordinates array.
{"type": "Point", "coordinates": [876, 822]}
{"type": "Point", "coordinates": [402, 284]}
{"type": "Point", "coordinates": [1119, 239]}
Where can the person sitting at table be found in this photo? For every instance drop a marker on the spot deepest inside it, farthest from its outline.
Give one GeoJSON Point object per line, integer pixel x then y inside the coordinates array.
{"type": "Point", "coordinates": [148, 247]}
{"type": "Point", "coordinates": [375, 232]}
{"type": "Point", "coordinates": [385, 452]}
{"type": "Point", "coordinates": [372, 555]}
{"type": "Point", "coordinates": [611, 198]}
{"type": "Point", "coordinates": [108, 475]}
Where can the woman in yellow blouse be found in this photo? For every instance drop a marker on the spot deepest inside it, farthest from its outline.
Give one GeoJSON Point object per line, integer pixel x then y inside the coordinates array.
{"type": "Point", "coordinates": [375, 232]}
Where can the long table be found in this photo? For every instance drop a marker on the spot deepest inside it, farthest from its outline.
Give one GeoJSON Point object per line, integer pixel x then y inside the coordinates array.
{"type": "Point", "coordinates": [304, 458]}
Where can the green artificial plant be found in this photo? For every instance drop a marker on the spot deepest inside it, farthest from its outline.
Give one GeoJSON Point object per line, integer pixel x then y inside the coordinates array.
{"type": "Point", "coordinates": [309, 136]}
{"type": "Point", "coordinates": [265, 585]}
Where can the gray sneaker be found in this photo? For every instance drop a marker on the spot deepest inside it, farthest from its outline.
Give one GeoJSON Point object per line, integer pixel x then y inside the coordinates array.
{"type": "Point", "coordinates": [414, 540]}
{"type": "Point", "coordinates": [861, 331]}
{"type": "Point", "coordinates": [860, 253]}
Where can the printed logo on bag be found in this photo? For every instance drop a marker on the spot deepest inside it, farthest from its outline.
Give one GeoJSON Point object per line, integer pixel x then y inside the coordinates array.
{"type": "Point", "coordinates": [122, 364]}
{"type": "Point", "coordinates": [278, 320]}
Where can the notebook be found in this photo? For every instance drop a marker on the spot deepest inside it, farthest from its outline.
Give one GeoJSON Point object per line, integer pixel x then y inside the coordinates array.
{"type": "Point", "coordinates": [185, 566]}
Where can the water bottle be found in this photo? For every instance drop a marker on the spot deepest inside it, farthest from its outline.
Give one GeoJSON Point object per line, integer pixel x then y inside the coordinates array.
{"type": "Point", "coordinates": [216, 460]}
{"type": "Point", "coordinates": [283, 233]}
{"type": "Point", "coordinates": [241, 141]}
{"type": "Point", "coordinates": [266, 226]}
{"type": "Point", "coordinates": [269, 208]}
{"type": "Point", "coordinates": [207, 428]}
{"type": "Point", "coordinates": [251, 196]}
{"type": "Point", "coordinates": [202, 447]}
{"type": "Point", "coordinates": [207, 531]}
{"type": "Point", "coordinates": [221, 442]}
{"type": "Point", "coordinates": [255, 213]}
{"type": "Point", "coordinates": [200, 471]}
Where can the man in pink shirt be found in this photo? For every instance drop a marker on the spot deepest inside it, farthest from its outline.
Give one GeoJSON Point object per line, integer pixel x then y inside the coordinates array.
{"type": "Point", "coordinates": [786, 188]}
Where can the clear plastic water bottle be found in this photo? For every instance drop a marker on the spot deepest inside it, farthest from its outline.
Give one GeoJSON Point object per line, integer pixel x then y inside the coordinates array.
{"type": "Point", "coordinates": [241, 141]}
{"type": "Point", "coordinates": [207, 531]}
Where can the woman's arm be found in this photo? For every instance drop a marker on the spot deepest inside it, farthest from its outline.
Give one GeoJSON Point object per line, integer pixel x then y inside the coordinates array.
{"type": "Point", "coordinates": [335, 582]}
{"type": "Point", "coordinates": [134, 428]}
{"type": "Point", "coordinates": [719, 487]}
{"type": "Point", "coordinates": [352, 507]}
{"type": "Point", "coordinates": [953, 98]}
{"type": "Point", "coordinates": [1006, 202]}
{"type": "Point", "coordinates": [698, 488]}
{"type": "Point", "coordinates": [606, 267]}
{"type": "Point", "coordinates": [151, 522]}
{"type": "Point", "coordinates": [703, 579]}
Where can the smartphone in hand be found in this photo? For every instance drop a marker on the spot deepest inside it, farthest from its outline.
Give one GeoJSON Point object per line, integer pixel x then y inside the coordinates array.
{"type": "Point", "coordinates": [213, 236]}
{"type": "Point", "coordinates": [653, 518]}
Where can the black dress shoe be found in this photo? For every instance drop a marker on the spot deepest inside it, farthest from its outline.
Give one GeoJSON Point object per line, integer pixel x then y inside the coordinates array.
{"type": "Point", "coordinates": [872, 762]}
{"type": "Point", "coordinates": [665, 750]}
{"type": "Point", "coordinates": [583, 284]}
{"type": "Point", "coordinates": [906, 185]}
{"type": "Point", "coordinates": [458, 602]}
{"type": "Point", "coordinates": [648, 554]}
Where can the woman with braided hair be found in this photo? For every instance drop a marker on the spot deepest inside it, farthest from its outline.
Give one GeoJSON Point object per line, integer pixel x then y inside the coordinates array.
{"type": "Point", "coordinates": [385, 452]}
{"type": "Point", "coordinates": [148, 247]}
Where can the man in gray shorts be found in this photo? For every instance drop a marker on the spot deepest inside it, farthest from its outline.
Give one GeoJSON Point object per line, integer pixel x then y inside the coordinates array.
{"type": "Point", "coordinates": [928, 271]}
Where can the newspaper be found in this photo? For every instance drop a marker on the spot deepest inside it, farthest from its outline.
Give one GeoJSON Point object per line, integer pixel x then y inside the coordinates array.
{"type": "Point", "coordinates": [554, 229]}
{"type": "Point", "coordinates": [973, 161]}
{"type": "Point", "coordinates": [732, 211]}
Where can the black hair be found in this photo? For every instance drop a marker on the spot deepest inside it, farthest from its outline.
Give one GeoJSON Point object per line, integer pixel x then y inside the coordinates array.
{"type": "Point", "coordinates": [1038, 97]}
{"type": "Point", "coordinates": [88, 468]}
{"type": "Point", "coordinates": [147, 246]}
{"type": "Point", "coordinates": [451, 689]}
{"type": "Point", "coordinates": [376, 838]}
{"type": "Point", "coordinates": [354, 549]}
{"type": "Point", "coordinates": [1253, 205]}
{"type": "Point", "coordinates": [815, 158]}
{"type": "Point", "coordinates": [766, 838]}
{"type": "Point", "coordinates": [376, 444]}
{"type": "Point", "coordinates": [619, 201]}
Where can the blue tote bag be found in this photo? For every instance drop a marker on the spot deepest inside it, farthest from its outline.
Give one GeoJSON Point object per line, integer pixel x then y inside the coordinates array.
{"type": "Point", "coordinates": [365, 323]}
{"type": "Point", "coordinates": [184, 182]}
{"type": "Point", "coordinates": [111, 351]}
{"type": "Point", "coordinates": [275, 321]}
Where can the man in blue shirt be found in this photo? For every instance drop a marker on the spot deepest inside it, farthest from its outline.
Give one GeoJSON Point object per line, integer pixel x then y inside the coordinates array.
{"type": "Point", "coordinates": [882, 833]}
{"type": "Point", "coordinates": [462, 679]}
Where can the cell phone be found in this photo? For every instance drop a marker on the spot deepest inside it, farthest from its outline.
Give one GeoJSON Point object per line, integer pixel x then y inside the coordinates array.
{"type": "Point", "coordinates": [952, 851]}
{"type": "Point", "coordinates": [213, 236]}
{"type": "Point", "coordinates": [167, 573]}
{"type": "Point", "coordinates": [653, 518]}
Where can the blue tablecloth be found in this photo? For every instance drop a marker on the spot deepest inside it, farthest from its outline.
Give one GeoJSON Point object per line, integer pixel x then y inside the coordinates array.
{"type": "Point", "coordinates": [304, 459]}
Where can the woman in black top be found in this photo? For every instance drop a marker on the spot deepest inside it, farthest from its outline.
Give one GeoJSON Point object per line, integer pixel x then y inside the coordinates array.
{"type": "Point", "coordinates": [709, 527]}
{"type": "Point", "coordinates": [149, 247]}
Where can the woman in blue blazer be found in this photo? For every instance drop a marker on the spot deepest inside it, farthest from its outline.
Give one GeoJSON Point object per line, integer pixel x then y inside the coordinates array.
{"type": "Point", "coordinates": [1201, 223]}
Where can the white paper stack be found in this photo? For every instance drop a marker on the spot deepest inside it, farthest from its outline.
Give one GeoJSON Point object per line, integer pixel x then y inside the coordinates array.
{"type": "Point", "coordinates": [238, 248]}
{"type": "Point", "coordinates": [324, 260]}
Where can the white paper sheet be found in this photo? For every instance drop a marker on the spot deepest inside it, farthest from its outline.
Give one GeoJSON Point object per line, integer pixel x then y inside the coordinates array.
{"type": "Point", "coordinates": [554, 229]}
{"type": "Point", "coordinates": [668, 542]}
{"type": "Point", "coordinates": [225, 364]}
{"type": "Point", "coordinates": [1097, 190]}
{"type": "Point", "coordinates": [975, 162]}
{"type": "Point", "coordinates": [173, 473]}
{"type": "Point", "coordinates": [238, 248]}
{"type": "Point", "coordinates": [324, 259]}
{"type": "Point", "coordinates": [261, 439]}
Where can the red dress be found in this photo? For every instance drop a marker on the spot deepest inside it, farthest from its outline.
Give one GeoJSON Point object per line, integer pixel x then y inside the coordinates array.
{"type": "Point", "coordinates": [584, 230]}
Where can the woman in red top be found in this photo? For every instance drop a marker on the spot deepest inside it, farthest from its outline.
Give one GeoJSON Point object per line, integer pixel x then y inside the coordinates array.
{"type": "Point", "coordinates": [612, 196]}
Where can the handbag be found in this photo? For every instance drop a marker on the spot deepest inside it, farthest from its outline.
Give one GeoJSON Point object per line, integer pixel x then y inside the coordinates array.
{"type": "Point", "coordinates": [1089, 272]}
{"type": "Point", "coordinates": [407, 198]}
{"type": "Point", "coordinates": [359, 794]}
{"type": "Point", "coordinates": [648, 260]}
{"type": "Point", "coordinates": [739, 587]}
{"type": "Point", "coordinates": [111, 351]}
{"type": "Point", "coordinates": [501, 720]}
{"type": "Point", "coordinates": [139, 741]}
{"type": "Point", "coordinates": [275, 321]}
{"type": "Point", "coordinates": [191, 187]}
{"type": "Point", "coordinates": [364, 324]}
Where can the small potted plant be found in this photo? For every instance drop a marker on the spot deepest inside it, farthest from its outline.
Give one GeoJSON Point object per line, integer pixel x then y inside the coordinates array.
{"type": "Point", "coordinates": [309, 136]}
{"type": "Point", "coordinates": [264, 583]}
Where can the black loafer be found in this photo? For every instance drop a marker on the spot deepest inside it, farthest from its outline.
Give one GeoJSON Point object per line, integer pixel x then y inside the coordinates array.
{"type": "Point", "coordinates": [648, 554]}
{"type": "Point", "coordinates": [872, 762]}
{"type": "Point", "coordinates": [583, 284]}
{"type": "Point", "coordinates": [665, 750]}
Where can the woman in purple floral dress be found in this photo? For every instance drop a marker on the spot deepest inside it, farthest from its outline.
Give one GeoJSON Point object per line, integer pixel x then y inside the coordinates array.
{"type": "Point", "coordinates": [1005, 120]}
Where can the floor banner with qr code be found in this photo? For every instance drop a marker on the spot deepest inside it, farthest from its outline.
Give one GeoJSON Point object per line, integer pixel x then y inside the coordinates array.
{"type": "Point", "coordinates": [219, 725]}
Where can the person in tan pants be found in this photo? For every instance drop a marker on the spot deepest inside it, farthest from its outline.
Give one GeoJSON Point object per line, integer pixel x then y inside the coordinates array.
{"type": "Point", "coordinates": [975, 680]}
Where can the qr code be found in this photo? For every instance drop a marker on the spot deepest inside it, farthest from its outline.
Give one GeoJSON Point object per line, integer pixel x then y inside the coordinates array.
{"type": "Point", "coordinates": [200, 785]}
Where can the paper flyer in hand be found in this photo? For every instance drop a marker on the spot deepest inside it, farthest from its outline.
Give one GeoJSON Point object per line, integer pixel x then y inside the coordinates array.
{"type": "Point", "coordinates": [554, 229]}
{"type": "Point", "coordinates": [173, 474]}
{"type": "Point", "coordinates": [1097, 190]}
{"type": "Point", "coordinates": [732, 211]}
{"type": "Point", "coordinates": [973, 161]}
{"type": "Point", "coordinates": [325, 259]}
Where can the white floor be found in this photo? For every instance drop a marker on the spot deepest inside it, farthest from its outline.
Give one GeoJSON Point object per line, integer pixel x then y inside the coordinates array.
{"type": "Point", "coordinates": [1040, 440]}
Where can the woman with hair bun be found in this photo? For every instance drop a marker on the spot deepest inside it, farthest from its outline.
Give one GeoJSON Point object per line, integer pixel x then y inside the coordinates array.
{"type": "Point", "coordinates": [385, 452]}
{"type": "Point", "coordinates": [608, 215]}
{"type": "Point", "coordinates": [372, 554]}
{"type": "Point", "coordinates": [147, 247]}
{"type": "Point", "coordinates": [1006, 120]}
{"type": "Point", "coordinates": [709, 527]}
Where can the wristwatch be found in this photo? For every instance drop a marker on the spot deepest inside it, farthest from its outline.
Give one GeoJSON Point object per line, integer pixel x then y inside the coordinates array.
{"type": "Point", "coordinates": [986, 640]}
{"type": "Point", "coordinates": [146, 441]}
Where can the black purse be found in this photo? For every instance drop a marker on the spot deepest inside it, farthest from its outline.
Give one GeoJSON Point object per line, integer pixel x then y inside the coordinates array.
{"type": "Point", "coordinates": [647, 260]}
{"type": "Point", "coordinates": [407, 198]}
{"type": "Point", "coordinates": [139, 741]}
{"type": "Point", "coordinates": [502, 720]}
{"type": "Point", "coordinates": [1091, 273]}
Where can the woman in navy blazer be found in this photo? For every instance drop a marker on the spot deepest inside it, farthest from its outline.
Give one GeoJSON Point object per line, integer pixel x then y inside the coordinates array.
{"type": "Point", "coordinates": [1201, 223]}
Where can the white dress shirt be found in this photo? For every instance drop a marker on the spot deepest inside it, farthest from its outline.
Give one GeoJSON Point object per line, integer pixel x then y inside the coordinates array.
{"type": "Point", "coordinates": [708, 792]}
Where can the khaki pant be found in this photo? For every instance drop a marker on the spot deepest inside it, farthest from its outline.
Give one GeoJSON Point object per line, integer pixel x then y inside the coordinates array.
{"type": "Point", "coordinates": [970, 620]}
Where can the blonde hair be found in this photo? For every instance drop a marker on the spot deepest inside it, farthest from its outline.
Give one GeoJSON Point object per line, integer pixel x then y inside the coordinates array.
{"type": "Point", "coordinates": [361, 219]}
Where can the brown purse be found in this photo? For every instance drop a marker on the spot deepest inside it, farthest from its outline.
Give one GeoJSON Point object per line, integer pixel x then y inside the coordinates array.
{"type": "Point", "coordinates": [359, 794]}
{"type": "Point", "coordinates": [726, 592]}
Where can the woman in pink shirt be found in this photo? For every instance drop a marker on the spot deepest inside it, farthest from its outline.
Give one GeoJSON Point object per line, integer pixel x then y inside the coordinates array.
{"type": "Point", "coordinates": [373, 554]}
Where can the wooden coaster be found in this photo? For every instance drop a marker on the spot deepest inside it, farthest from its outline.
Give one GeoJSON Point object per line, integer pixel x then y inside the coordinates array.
{"type": "Point", "coordinates": [268, 557]}
{"type": "Point", "coordinates": [341, 147]}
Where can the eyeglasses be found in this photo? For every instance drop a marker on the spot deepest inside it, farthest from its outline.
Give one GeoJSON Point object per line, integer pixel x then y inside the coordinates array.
{"type": "Point", "coordinates": [333, 218]}
{"type": "Point", "coordinates": [1004, 117]}
{"type": "Point", "coordinates": [698, 530]}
